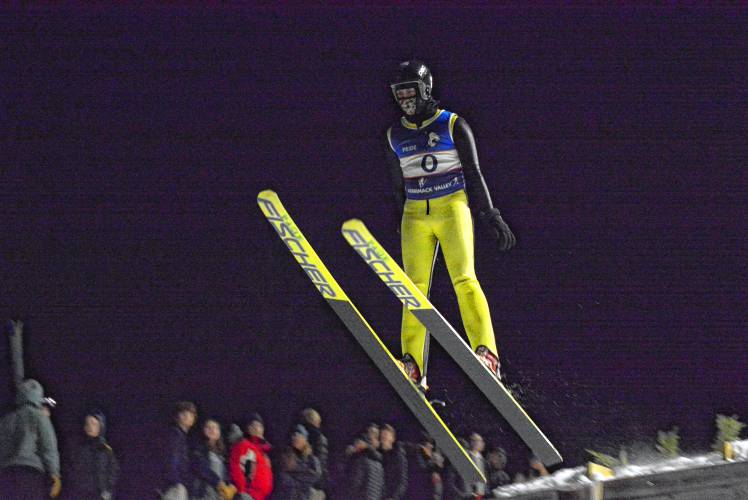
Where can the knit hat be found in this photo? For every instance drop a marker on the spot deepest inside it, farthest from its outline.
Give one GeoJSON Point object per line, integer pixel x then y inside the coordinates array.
{"type": "Point", "coordinates": [234, 434]}
{"type": "Point", "coordinates": [255, 417]}
{"type": "Point", "coordinates": [300, 429]}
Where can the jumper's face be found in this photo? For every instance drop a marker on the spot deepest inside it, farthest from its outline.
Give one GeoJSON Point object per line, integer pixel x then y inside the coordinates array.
{"type": "Point", "coordinates": [92, 427]}
{"type": "Point", "coordinates": [406, 98]}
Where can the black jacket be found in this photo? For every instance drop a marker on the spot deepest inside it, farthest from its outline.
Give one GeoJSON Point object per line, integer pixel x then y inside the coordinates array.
{"type": "Point", "coordinates": [496, 478]}
{"type": "Point", "coordinates": [319, 446]}
{"type": "Point", "coordinates": [366, 475]}
{"type": "Point", "coordinates": [395, 472]}
{"type": "Point", "coordinates": [296, 484]}
{"type": "Point", "coordinates": [204, 477]}
{"type": "Point", "coordinates": [177, 466]}
{"type": "Point", "coordinates": [422, 474]}
{"type": "Point", "coordinates": [455, 487]}
{"type": "Point", "coordinates": [94, 468]}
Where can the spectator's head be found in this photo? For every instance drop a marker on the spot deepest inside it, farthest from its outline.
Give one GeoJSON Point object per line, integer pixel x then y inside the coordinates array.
{"type": "Point", "coordinates": [300, 438]}
{"type": "Point", "coordinates": [427, 442]}
{"type": "Point", "coordinates": [477, 444]}
{"type": "Point", "coordinates": [387, 436]}
{"type": "Point", "coordinates": [212, 430]}
{"type": "Point", "coordinates": [94, 424]}
{"type": "Point", "coordinates": [426, 439]}
{"type": "Point", "coordinates": [234, 434]}
{"type": "Point", "coordinates": [185, 414]}
{"type": "Point", "coordinates": [360, 443]}
{"type": "Point", "coordinates": [212, 435]}
{"type": "Point", "coordinates": [311, 417]}
{"type": "Point", "coordinates": [372, 434]}
{"type": "Point", "coordinates": [537, 465]}
{"type": "Point", "coordinates": [497, 458]}
{"type": "Point", "coordinates": [255, 426]}
{"type": "Point", "coordinates": [30, 392]}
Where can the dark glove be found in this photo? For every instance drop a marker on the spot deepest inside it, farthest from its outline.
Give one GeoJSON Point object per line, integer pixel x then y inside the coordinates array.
{"type": "Point", "coordinates": [492, 219]}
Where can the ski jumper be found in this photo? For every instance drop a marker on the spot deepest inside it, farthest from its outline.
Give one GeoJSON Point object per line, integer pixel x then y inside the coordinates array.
{"type": "Point", "coordinates": [435, 213]}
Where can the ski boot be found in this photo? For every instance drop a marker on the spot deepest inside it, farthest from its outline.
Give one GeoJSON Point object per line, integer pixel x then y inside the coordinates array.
{"type": "Point", "coordinates": [491, 361]}
{"type": "Point", "coordinates": [410, 368]}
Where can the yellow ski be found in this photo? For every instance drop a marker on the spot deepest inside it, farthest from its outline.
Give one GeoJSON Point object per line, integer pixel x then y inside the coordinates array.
{"type": "Point", "coordinates": [359, 237]}
{"type": "Point", "coordinates": [331, 291]}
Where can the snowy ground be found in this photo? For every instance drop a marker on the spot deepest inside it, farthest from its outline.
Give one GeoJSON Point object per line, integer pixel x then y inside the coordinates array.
{"type": "Point", "coordinates": [564, 479]}
{"type": "Point", "coordinates": [572, 479]}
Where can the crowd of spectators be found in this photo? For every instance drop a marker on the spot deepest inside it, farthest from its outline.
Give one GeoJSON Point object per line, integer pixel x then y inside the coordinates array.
{"type": "Point", "coordinates": [202, 462]}
{"type": "Point", "coordinates": [375, 466]}
{"type": "Point", "coordinates": [212, 462]}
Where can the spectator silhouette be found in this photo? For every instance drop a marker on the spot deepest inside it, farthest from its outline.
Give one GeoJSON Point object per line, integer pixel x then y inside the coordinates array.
{"type": "Point", "coordinates": [307, 470]}
{"type": "Point", "coordinates": [249, 465]}
{"type": "Point", "coordinates": [286, 487]}
{"type": "Point", "coordinates": [28, 448]}
{"type": "Point", "coordinates": [497, 476]}
{"type": "Point", "coordinates": [94, 470]}
{"type": "Point", "coordinates": [312, 421]}
{"type": "Point", "coordinates": [233, 436]}
{"type": "Point", "coordinates": [365, 469]}
{"type": "Point", "coordinates": [536, 469]}
{"type": "Point", "coordinates": [395, 464]}
{"type": "Point", "coordinates": [209, 466]}
{"type": "Point", "coordinates": [426, 465]}
{"type": "Point", "coordinates": [178, 472]}
{"type": "Point", "coordinates": [454, 485]}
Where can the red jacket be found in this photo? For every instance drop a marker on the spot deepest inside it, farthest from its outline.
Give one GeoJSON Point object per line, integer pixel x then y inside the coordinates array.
{"type": "Point", "coordinates": [252, 449]}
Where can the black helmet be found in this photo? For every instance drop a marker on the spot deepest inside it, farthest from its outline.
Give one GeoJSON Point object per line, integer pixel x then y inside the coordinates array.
{"type": "Point", "coordinates": [414, 72]}
{"type": "Point", "coordinates": [415, 75]}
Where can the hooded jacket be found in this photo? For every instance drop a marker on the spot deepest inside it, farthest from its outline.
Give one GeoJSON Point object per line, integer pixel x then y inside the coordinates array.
{"type": "Point", "coordinates": [27, 438]}
{"type": "Point", "coordinates": [319, 445]}
{"type": "Point", "coordinates": [94, 466]}
{"type": "Point", "coordinates": [252, 449]}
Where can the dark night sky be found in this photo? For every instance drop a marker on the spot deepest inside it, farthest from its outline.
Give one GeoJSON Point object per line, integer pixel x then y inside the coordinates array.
{"type": "Point", "coordinates": [134, 142]}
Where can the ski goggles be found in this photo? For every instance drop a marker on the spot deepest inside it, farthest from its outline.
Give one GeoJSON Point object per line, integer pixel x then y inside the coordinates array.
{"type": "Point", "coordinates": [423, 90]}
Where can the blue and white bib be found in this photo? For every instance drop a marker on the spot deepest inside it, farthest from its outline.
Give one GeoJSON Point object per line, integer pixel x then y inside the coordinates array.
{"type": "Point", "coordinates": [428, 157]}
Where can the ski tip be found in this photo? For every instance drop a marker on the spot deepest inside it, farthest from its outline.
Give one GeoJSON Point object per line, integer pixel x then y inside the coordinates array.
{"type": "Point", "coordinates": [266, 193]}
{"type": "Point", "coordinates": [353, 223]}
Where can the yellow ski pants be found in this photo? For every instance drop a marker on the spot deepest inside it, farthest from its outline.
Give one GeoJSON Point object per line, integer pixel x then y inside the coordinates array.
{"type": "Point", "coordinates": [444, 221]}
